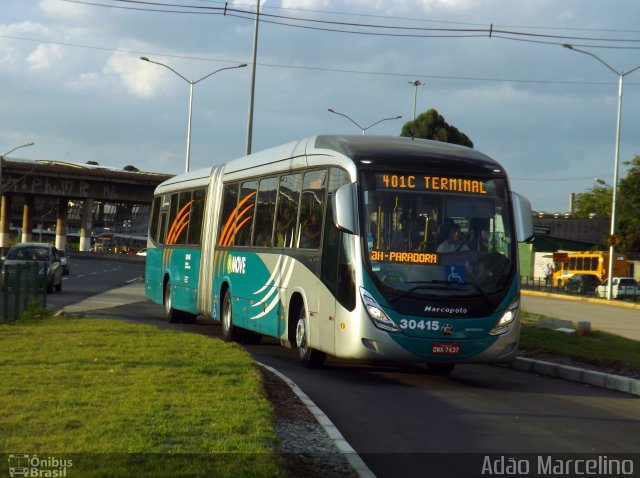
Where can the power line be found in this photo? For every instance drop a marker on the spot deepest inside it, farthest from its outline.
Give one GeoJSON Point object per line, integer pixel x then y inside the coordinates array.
{"type": "Point", "coordinates": [317, 68]}
{"type": "Point", "coordinates": [368, 28]}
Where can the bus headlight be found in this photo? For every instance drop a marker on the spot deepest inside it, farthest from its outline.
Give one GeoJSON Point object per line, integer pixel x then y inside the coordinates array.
{"type": "Point", "coordinates": [376, 313]}
{"type": "Point", "coordinates": [507, 318]}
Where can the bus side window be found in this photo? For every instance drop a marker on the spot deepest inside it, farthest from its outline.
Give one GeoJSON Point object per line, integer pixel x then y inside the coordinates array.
{"type": "Point", "coordinates": [312, 208]}
{"type": "Point", "coordinates": [287, 211]}
{"type": "Point", "coordinates": [180, 223]}
{"type": "Point", "coordinates": [244, 214]}
{"type": "Point", "coordinates": [227, 216]}
{"type": "Point", "coordinates": [173, 209]}
{"type": "Point", "coordinates": [155, 218]}
{"type": "Point", "coordinates": [195, 221]}
{"type": "Point", "coordinates": [265, 211]}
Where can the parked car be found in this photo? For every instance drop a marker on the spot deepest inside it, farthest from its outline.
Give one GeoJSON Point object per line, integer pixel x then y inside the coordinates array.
{"type": "Point", "coordinates": [64, 259]}
{"type": "Point", "coordinates": [47, 257]}
{"type": "Point", "coordinates": [623, 288]}
{"type": "Point", "coordinates": [583, 284]}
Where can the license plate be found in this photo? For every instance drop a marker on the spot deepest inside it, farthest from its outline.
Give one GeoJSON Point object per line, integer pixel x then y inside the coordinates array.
{"type": "Point", "coordinates": [445, 349]}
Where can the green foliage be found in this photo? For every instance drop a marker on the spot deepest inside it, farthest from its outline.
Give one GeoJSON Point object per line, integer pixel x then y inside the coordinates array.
{"type": "Point", "coordinates": [628, 219]}
{"type": "Point", "coordinates": [136, 395]}
{"type": "Point", "coordinates": [431, 125]}
{"type": "Point", "coordinates": [597, 201]}
{"type": "Point", "coordinates": [593, 202]}
{"type": "Point", "coordinates": [598, 348]}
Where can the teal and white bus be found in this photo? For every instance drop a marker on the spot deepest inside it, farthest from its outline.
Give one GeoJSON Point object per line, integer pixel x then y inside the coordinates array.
{"type": "Point", "coordinates": [334, 246]}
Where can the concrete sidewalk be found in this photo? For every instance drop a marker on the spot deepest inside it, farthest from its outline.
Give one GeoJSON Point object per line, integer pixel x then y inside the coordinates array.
{"type": "Point", "coordinates": [128, 294]}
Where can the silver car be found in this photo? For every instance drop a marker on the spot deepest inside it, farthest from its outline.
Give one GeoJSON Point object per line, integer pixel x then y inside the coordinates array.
{"type": "Point", "coordinates": [64, 259]}
{"type": "Point", "coordinates": [45, 255]}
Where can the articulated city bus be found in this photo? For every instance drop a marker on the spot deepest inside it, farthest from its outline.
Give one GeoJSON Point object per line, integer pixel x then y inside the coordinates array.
{"type": "Point", "coordinates": [361, 247]}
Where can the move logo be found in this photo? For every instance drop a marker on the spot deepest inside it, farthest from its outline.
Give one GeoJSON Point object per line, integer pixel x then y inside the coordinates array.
{"type": "Point", "coordinates": [236, 264]}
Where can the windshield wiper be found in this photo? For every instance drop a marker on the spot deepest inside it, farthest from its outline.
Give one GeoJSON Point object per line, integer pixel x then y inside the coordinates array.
{"type": "Point", "coordinates": [441, 285]}
{"type": "Point", "coordinates": [427, 285]}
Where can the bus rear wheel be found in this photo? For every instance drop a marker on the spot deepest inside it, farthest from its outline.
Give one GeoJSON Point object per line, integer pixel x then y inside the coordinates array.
{"type": "Point", "coordinates": [171, 315]}
{"type": "Point", "coordinates": [308, 356]}
{"type": "Point", "coordinates": [229, 331]}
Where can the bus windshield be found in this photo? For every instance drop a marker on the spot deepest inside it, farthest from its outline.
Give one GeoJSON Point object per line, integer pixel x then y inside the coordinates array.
{"type": "Point", "coordinates": [437, 236]}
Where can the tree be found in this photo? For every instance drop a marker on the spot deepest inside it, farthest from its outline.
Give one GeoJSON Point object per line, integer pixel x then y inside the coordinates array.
{"type": "Point", "coordinates": [431, 125]}
{"type": "Point", "coordinates": [627, 217]}
{"type": "Point", "coordinates": [131, 169]}
{"type": "Point", "coordinates": [597, 201]}
{"type": "Point", "coordinates": [593, 202]}
{"type": "Point", "coordinates": [93, 163]}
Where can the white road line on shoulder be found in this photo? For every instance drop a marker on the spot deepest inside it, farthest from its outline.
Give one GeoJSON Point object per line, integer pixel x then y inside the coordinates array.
{"type": "Point", "coordinates": [341, 443]}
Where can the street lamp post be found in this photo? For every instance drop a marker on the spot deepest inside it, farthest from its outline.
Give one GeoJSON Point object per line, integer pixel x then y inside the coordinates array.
{"type": "Point", "coordinates": [31, 143]}
{"type": "Point", "coordinates": [363, 128]}
{"type": "Point", "coordinates": [621, 75]}
{"type": "Point", "coordinates": [191, 83]}
{"type": "Point", "coordinates": [415, 83]}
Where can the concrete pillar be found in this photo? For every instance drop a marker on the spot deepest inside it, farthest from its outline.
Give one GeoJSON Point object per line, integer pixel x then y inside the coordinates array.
{"type": "Point", "coordinates": [27, 219]}
{"type": "Point", "coordinates": [5, 220]}
{"type": "Point", "coordinates": [62, 220]}
{"type": "Point", "coordinates": [86, 223]}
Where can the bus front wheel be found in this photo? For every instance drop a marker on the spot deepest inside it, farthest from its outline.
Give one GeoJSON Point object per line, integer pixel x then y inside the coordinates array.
{"type": "Point", "coordinates": [308, 356]}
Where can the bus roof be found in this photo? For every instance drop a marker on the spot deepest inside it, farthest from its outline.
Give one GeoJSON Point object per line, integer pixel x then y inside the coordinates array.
{"type": "Point", "coordinates": [374, 151]}
{"type": "Point", "coordinates": [198, 177]}
{"type": "Point", "coordinates": [395, 150]}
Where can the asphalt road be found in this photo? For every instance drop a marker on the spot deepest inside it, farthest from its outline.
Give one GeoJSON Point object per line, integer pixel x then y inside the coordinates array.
{"type": "Point", "coordinates": [405, 422]}
{"type": "Point", "coordinates": [88, 278]}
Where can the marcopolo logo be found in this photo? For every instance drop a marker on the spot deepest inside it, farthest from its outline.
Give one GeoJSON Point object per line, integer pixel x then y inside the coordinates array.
{"type": "Point", "coordinates": [236, 264]}
{"type": "Point", "coordinates": [33, 466]}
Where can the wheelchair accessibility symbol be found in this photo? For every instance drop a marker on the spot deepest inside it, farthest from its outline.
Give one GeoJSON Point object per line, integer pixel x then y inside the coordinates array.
{"type": "Point", "coordinates": [456, 274]}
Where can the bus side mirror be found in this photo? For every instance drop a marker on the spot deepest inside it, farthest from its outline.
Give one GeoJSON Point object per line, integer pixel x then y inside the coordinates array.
{"type": "Point", "coordinates": [344, 203]}
{"type": "Point", "coordinates": [523, 217]}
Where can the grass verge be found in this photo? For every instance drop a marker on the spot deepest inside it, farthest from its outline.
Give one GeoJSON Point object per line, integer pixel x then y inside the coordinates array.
{"type": "Point", "coordinates": [134, 398]}
{"type": "Point", "coordinates": [599, 348]}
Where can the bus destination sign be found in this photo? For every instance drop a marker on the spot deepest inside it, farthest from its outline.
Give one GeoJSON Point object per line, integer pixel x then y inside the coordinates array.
{"type": "Point", "coordinates": [430, 183]}
{"type": "Point", "coordinates": [398, 256]}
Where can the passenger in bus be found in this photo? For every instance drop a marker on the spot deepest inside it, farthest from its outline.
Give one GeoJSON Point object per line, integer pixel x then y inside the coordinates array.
{"type": "Point", "coordinates": [311, 231]}
{"type": "Point", "coordinates": [401, 237]}
{"type": "Point", "coordinates": [261, 239]}
{"type": "Point", "coordinates": [479, 240]}
{"type": "Point", "coordinates": [454, 241]}
{"type": "Point", "coordinates": [284, 228]}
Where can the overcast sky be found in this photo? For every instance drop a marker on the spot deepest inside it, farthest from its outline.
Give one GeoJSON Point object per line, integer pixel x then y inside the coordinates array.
{"type": "Point", "coordinates": [72, 81]}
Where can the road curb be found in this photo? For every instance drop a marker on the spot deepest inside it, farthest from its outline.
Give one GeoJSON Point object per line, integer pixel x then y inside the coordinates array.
{"type": "Point", "coordinates": [580, 375]}
{"type": "Point", "coordinates": [334, 434]}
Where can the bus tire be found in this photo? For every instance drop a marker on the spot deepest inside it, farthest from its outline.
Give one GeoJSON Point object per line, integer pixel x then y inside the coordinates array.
{"type": "Point", "coordinates": [171, 315]}
{"type": "Point", "coordinates": [308, 356]}
{"type": "Point", "coordinates": [229, 331]}
{"type": "Point", "coordinates": [440, 368]}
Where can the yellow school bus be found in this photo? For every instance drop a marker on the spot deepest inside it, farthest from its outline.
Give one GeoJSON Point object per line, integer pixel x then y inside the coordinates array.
{"type": "Point", "coordinates": [566, 264]}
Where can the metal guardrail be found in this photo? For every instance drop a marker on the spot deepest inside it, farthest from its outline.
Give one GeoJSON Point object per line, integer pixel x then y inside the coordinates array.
{"type": "Point", "coordinates": [21, 287]}
{"type": "Point", "coordinates": [542, 286]}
